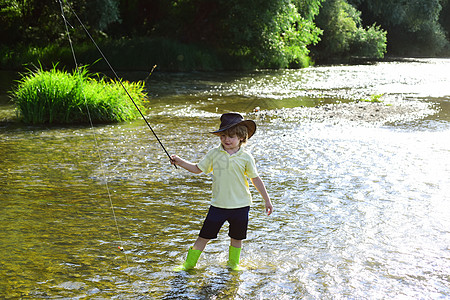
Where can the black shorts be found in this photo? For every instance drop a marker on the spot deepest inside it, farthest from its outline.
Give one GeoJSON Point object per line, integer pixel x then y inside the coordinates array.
{"type": "Point", "coordinates": [236, 217]}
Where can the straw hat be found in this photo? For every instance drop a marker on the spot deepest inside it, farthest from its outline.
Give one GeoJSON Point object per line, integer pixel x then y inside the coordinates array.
{"type": "Point", "coordinates": [229, 120]}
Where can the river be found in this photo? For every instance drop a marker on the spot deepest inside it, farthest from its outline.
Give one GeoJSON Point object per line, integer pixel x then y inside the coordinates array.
{"type": "Point", "coordinates": [362, 209]}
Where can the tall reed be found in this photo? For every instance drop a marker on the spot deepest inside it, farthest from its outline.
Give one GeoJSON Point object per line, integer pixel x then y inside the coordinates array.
{"type": "Point", "coordinates": [59, 97]}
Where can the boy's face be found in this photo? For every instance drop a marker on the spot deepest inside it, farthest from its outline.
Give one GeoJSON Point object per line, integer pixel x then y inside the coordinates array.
{"type": "Point", "coordinates": [230, 143]}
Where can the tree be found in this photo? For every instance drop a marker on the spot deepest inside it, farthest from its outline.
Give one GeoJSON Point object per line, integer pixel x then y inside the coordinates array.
{"type": "Point", "coordinates": [37, 22]}
{"type": "Point", "coordinates": [444, 18]}
{"type": "Point", "coordinates": [27, 19]}
{"type": "Point", "coordinates": [308, 9]}
{"type": "Point", "coordinates": [344, 35]}
{"type": "Point", "coordinates": [413, 26]}
{"type": "Point", "coordinates": [271, 32]}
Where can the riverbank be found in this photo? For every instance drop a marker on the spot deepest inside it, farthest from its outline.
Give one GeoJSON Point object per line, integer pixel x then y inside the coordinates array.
{"type": "Point", "coordinates": [138, 54]}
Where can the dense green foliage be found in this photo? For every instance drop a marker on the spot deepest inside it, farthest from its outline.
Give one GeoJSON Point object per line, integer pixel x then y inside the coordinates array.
{"type": "Point", "coordinates": [58, 97]}
{"type": "Point", "coordinates": [261, 33]}
{"type": "Point", "coordinates": [414, 27]}
{"type": "Point", "coordinates": [344, 34]}
{"type": "Point", "coordinates": [276, 35]}
{"type": "Point", "coordinates": [227, 34]}
{"type": "Point", "coordinates": [38, 22]}
{"type": "Point", "coordinates": [444, 17]}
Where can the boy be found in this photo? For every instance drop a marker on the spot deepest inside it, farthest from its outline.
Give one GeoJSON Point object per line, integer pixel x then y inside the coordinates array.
{"type": "Point", "coordinates": [231, 198]}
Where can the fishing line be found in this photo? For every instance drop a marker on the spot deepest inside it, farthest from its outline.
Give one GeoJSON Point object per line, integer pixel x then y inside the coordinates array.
{"type": "Point", "coordinates": [119, 80]}
{"type": "Point", "coordinates": [95, 137]}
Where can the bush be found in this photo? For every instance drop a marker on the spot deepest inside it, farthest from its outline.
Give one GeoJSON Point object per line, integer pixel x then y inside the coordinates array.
{"type": "Point", "coordinates": [415, 28]}
{"type": "Point", "coordinates": [142, 53]}
{"type": "Point", "coordinates": [269, 33]}
{"type": "Point", "coordinates": [58, 97]}
{"type": "Point", "coordinates": [344, 35]}
{"type": "Point", "coordinates": [370, 42]}
{"type": "Point", "coordinates": [139, 53]}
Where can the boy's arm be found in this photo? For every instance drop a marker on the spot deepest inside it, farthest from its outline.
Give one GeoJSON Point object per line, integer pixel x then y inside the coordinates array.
{"type": "Point", "coordinates": [185, 164]}
{"type": "Point", "coordinates": [259, 185]}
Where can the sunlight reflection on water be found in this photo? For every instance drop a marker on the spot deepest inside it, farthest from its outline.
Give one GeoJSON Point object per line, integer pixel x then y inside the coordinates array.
{"type": "Point", "coordinates": [361, 210]}
{"type": "Point", "coordinates": [373, 203]}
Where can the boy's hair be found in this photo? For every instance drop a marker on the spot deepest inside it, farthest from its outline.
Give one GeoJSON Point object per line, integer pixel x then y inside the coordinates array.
{"type": "Point", "coordinates": [240, 131]}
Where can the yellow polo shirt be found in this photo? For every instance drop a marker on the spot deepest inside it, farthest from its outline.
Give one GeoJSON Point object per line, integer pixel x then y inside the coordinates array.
{"type": "Point", "coordinates": [230, 186]}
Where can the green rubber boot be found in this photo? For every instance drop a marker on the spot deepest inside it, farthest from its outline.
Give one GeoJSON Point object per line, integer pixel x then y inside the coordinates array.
{"type": "Point", "coordinates": [191, 260]}
{"type": "Point", "coordinates": [233, 258]}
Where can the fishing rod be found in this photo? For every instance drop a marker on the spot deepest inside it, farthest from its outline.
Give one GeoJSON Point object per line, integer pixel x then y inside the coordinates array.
{"type": "Point", "coordinates": [120, 80]}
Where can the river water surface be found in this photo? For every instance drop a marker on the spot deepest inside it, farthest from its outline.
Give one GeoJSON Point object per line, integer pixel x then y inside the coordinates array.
{"type": "Point", "coordinates": [362, 209]}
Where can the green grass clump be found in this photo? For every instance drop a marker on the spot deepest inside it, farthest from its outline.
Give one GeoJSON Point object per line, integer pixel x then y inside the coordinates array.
{"type": "Point", "coordinates": [374, 99]}
{"type": "Point", "coordinates": [59, 97]}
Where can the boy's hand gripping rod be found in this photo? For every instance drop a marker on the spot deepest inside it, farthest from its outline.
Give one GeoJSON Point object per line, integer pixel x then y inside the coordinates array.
{"type": "Point", "coordinates": [120, 81]}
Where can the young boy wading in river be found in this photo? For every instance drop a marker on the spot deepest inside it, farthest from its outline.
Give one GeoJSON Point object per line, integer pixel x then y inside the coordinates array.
{"type": "Point", "coordinates": [231, 197]}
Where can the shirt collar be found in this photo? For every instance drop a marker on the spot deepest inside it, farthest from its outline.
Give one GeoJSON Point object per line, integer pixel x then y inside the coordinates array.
{"type": "Point", "coordinates": [236, 153]}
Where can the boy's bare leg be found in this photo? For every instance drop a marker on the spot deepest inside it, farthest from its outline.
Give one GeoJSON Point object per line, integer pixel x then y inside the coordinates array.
{"type": "Point", "coordinates": [236, 243]}
{"type": "Point", "coordinates": [200, 244]}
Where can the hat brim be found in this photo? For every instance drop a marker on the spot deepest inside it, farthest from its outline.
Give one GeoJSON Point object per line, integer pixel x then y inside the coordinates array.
{"type": "Point", "coordinates": [250, 124]}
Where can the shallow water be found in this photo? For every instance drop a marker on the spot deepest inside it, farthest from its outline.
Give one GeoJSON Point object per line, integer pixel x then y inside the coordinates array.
{"type": "Point", "coordinates": [361, 210]}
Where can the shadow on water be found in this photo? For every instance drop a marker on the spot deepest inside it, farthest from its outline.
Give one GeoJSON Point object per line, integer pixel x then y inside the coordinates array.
{"type": "Point", "coordinates": [215, 284]}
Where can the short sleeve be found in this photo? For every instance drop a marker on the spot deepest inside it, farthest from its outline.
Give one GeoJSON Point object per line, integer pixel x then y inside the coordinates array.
{"type": "Point", "coordinates": [206, 164]}
{"type": "Point", "coordinates": [250, 168]}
